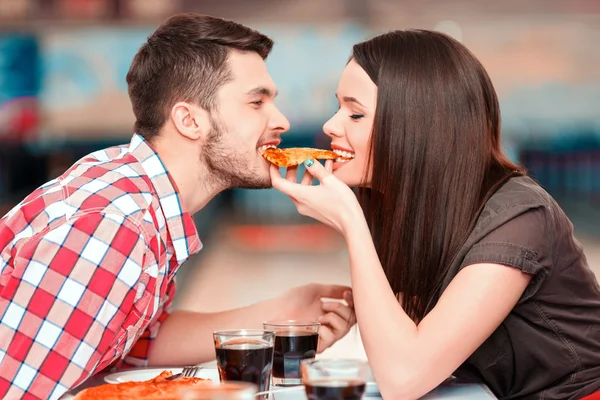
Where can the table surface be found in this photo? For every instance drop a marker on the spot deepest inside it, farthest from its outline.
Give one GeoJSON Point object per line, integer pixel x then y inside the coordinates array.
{"type": "Point", "coordinates": [449, 390]}
{"type": "Point", "coordinates": [470, 391]}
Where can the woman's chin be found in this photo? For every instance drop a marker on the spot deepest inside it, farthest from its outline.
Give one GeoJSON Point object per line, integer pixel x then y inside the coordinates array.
{"type": "Point", "coordinates": [350, 179]}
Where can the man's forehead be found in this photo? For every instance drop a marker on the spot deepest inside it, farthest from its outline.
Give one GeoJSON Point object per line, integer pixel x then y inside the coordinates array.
{"type": "Point", "coordinates": [250, 75]}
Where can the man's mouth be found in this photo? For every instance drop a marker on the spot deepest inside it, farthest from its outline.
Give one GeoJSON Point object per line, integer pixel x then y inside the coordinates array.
{"type": "Point", "coordinates": [266, 146]}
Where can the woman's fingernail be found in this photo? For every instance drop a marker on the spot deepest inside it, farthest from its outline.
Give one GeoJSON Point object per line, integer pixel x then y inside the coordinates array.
{"type": "Point", "coordinates": [309, 162]}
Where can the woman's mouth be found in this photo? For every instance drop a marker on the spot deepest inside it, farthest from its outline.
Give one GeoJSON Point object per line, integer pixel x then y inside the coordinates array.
{"type": "Point", "coordinates": [344, 156]}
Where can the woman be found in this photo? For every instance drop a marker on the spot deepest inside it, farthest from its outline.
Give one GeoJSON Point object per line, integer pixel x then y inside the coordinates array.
{"type": "Point", "coordinates": [460, 263]}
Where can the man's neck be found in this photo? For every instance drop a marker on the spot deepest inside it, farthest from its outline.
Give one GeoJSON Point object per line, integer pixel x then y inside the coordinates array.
{"type": "Point", "coordinates": [192, 178]}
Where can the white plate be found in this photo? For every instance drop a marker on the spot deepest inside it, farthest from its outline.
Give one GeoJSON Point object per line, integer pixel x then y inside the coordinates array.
{"type": "Point", "coordinates": [137, 375]}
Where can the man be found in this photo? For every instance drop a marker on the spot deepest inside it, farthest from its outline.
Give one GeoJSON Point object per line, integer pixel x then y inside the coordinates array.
{"type": "Point", "coordinates": [87, 260]}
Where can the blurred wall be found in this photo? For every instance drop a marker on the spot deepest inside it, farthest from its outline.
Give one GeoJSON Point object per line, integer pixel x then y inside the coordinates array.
{"type": "Point", "coordinates": [63, 65]}
{"type": "Point", "coordinates": [85, 95]}
{"type": "Point", "coordinates": [543, 57]}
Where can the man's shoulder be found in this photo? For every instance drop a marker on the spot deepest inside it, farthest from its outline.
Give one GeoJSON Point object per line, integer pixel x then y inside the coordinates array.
{"type": "Point", "coordinates": [109, 181]}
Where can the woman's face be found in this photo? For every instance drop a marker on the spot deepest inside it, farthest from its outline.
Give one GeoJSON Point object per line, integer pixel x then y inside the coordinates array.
{"type": "Point", "coordinates": [350, 128]}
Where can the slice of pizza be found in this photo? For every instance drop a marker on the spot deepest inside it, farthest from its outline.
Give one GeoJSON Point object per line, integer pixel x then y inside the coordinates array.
{"type": "Point", "coordinates": [296, 155]}
{"type": "Point", "coordinates": [156, 388]}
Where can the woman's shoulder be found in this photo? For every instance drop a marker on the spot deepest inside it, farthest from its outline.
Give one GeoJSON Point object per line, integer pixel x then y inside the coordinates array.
{"type": "Point", "coordinates": [516, 228]}
{"type": "Point", "coordinates": [520, 214]}
{"type": "Point", "coordinates": [519, 195]}
{"type": "Point", "coordinates": [519, 226]}
{"type": "Point", "coordinates": [519, 192]}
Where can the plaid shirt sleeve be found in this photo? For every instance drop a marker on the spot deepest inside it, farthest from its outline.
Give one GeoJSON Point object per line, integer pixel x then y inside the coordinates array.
{"type": "Point", "coordinates": [139, 353]}
{"type": "Point", "coordinates": [68, 304]}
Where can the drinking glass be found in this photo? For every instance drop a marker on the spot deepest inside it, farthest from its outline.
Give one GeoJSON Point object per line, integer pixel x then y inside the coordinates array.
{"type": "Point", "coordinates": [245, 355]}
{"type": "Point", "coordinates": [335, 379]}
{"type": "Point", "coordinates": [295, 341]}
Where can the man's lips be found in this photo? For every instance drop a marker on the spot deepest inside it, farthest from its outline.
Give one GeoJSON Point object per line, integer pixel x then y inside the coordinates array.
{"type": "Point", "coordinates": [270, 143]}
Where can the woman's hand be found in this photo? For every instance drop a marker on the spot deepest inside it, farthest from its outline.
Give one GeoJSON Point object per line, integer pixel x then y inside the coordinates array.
{"type": "Point", "coordinates": [331, 202]}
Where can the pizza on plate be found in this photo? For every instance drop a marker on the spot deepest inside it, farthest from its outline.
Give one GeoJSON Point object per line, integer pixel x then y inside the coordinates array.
{"type": "Point", "coordinates": [155, 388]}
{"type": "Point", "coordinates": [296, 155]}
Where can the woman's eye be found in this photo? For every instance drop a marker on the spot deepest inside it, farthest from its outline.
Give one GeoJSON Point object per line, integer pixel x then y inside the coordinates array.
{"type": "Point", "coordinates": [356, 116]}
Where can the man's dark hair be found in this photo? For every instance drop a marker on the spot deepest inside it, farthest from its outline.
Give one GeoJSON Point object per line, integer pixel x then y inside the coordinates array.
{"type": "Point", "coordinates": [185, 59]}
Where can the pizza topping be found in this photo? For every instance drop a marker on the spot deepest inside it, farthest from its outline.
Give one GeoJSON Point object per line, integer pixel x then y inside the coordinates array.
{"type": "Point", "coordinates": [158, 387]}
{"type": "Point", "coordinates": [294, 156]}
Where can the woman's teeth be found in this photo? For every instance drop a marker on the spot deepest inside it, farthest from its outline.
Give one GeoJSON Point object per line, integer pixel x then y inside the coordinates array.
{"type": "Point", "coordinates": [345, 156]}
{"type": "Point", "coordinates": [267, 146]}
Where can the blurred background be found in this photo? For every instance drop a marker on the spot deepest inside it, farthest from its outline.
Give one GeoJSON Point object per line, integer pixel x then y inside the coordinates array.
{"type": "Point", "coordinates": [63, 95]}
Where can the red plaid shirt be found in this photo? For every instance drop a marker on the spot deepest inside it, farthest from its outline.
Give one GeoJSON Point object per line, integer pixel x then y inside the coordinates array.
{"type": "Point", "coordinates": [86, 270]}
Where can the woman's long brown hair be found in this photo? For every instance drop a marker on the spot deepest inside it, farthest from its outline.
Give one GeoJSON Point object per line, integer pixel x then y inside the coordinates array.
{"type": "Point", "coordinates": [435, 157]}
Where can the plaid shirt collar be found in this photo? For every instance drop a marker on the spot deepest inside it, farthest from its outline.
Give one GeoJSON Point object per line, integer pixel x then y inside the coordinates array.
{"type": "Point", "coordinates": [180, 223]}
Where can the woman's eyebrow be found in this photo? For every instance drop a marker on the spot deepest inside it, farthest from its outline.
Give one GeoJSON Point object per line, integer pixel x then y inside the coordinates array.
{"type": "Point", "coordinates": [350, 99]}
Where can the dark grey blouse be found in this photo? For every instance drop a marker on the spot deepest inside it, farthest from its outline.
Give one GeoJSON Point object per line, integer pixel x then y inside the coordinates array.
{"type": "Point", "coordinates": [549, 345]}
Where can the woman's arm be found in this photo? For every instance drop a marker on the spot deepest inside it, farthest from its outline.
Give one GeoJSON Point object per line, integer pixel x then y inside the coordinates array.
{"type": "Point", "coordinates": [409, 360]}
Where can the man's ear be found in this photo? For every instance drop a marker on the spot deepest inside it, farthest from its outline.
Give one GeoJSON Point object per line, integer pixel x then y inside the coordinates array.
{"type": "Point", "coordinates": [191, 121]}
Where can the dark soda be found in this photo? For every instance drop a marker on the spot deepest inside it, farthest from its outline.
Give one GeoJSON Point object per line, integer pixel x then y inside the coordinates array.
{"type": "Point", "coordinates": [335, 389]}
{"type": "Point", "coordinates": [290, 349]}
{"type": "Point", "coordinates": [247, 361]}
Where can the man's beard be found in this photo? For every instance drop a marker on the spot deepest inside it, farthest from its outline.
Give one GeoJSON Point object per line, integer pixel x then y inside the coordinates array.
{"type": "Point", "coordinates": [227, 167]}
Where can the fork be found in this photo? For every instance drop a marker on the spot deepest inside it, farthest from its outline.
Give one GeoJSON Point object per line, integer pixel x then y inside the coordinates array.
{"type": "Point", "coordinates": [189, 371]}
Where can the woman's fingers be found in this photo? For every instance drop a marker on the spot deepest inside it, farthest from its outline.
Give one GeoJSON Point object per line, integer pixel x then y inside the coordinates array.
{"type": "Point", "coordinates": [307, 179]}
{"type": "Point", "coordinates": [316, 169]}
{"type": "Point", "coordinates": [291, 174]}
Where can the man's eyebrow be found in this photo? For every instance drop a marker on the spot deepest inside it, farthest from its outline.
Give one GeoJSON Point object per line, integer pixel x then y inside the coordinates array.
{"type": "Point", "coordinates": [350, 99]}
{"type": "Point", "coordinates": [262, 91]}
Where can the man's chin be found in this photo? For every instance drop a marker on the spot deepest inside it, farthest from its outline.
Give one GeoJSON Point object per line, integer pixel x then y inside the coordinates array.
{"type": "Point", "coordinates": [258, 186]}
{"type": "Point", "coordinates": [256, 183]}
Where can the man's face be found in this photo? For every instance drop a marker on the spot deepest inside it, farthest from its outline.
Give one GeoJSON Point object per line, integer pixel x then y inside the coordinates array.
{"type": "Point", "coordinates": [245, 120]}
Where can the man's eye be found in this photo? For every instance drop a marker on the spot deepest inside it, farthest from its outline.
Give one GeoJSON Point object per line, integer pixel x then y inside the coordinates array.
{"type": "Point", "coordinates": [257, 103]}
